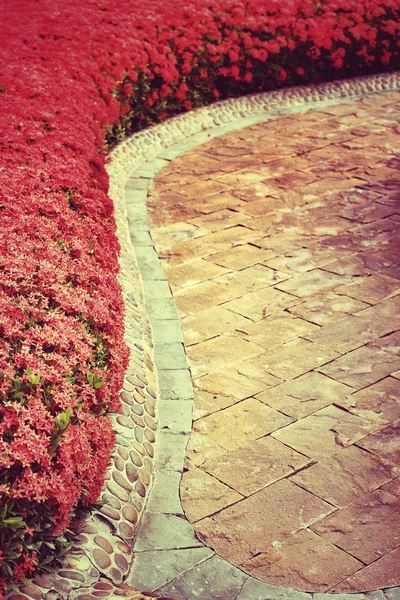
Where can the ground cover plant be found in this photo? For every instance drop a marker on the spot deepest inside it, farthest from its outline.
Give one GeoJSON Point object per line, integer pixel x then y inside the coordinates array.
{"type": "Point", "coordinates": [76, 77]}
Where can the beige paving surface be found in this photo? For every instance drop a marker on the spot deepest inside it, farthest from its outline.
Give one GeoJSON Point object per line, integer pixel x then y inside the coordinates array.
{"type": "Point", "coordinates": [281, 246]}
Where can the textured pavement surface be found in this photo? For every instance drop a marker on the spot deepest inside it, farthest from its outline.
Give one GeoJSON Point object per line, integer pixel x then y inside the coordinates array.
{"type": "Point", "coordinates": [280, 243]}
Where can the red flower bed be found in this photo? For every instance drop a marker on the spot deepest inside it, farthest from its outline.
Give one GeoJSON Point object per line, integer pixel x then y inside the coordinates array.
{"type": "Point", "coordinates": [77, 76]}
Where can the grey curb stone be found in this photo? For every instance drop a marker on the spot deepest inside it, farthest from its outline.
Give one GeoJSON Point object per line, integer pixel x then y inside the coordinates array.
{"type": "Point", "coordinates": [175, 385]}
{"type": "Point", "coordinates": [141, 238]}
{"type": "Point", "coordinates": [165, 332]}
{"type": "Point", "coordinates": [176, 416]}
{"type": "Point", "coordinates": [393, 593]}
{"type": "Point", "coordinates": [164, 495]}
{"type": "Point", "coordinates": [213, 579]}
{"type": "Point", "coordinates": [164, 308]}
{"type": "Point", "coordinates": [156, 289]}
{"type": "Point", "coordinates": [170, 356]}
{"type": "Point", "coordinates": [152, 570]}
{"type": "Point", "coordinates": [159, 531]}
{"type": "Point", "coordinates": [171, 451]}
{"type": "Point", "coordinates": [137, 183]}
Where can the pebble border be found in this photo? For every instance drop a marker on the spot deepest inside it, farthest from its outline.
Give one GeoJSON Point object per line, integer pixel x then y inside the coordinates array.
{"type": "Point", "coordinates": [117, 548]}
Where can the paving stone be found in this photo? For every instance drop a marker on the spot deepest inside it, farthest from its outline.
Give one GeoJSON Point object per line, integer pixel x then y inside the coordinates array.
{"type": "Point", "coordinates": [384, 572]}
{"type": "Point", "coordinates": [323, 433]}
{"type": "Point", "coordinates": [276, 330]}
{"type": "Point", "coordinates": [170, 356]}
{"type": "Point", "coordinates": [213, 579]}
{"type": "Point", "coordinates": [206, 403]}
{"type": "Point", "coordinates": [217, 353]}
{"type": "Point", "coordinates": [251, 279]}
{"type": "Point", "coordinates": [345, 476]}
{"type": "Point", "coordinates": [210, 323]}
{"type": "Point", "coordinates": [305, 394]}
{"type": "Point", "coordinates": [256, 465]}
{"type": "Point", "coordinates": [389, 343]}
{"type": "Point", "coordinates": [175, 416]}
{"type": "Point", "coordinates": [241, 423]}
{"type": "Point", "coordinates": [349, 332]}
{"type": "Point", "coordinates": [295, 358]}
{"type": "Point", "coordinates": [203, 495]}
{"type": "Point", "coordinates": [258, 305]}
{"type": "Point", "coordinates": [228, 382]}
{"type": "Point", "coordinates": [250, 527]}
{"type": "Point", "coordinates": [220, 219]}
{"type": "Point", "coordinates": [361, 367]}
{"type": "Point", "coordinates": [253, 368]}
{"type": "Point", "coordinates": [366, 529]}
{"type": "Point", "coordinates": [384, 443]}
{"type": "Point", "coordinates": [175, 385]}
{"type": "Point", "coordinates": [240, 257]}
{"type": "Point", "coordinates": [254, 589]}
{"type": "Point", "coordinates": [311, 283]}
{"type": "Point", "coordinates": [158, 531]}
{"type": "Point", "coordinates": [371, 289]}
{"type": "Point", "coordinates": [193, 272]}
{"type": "Point", "coordinates": [150, 570]}
{"type": "Point", "coordinates": [201, 447]}
{"type": "Point", "coordinates": [378, 402]}
{"type": "Point", "coordinates": [305, 561]}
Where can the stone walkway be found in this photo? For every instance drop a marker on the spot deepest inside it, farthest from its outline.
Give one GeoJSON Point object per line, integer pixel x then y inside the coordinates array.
{"type": "Point", "coordinates": [280, 244]}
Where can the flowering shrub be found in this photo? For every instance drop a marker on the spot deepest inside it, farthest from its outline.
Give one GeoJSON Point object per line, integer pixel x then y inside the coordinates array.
{"type": "Point", "coordinates": [78, 76]}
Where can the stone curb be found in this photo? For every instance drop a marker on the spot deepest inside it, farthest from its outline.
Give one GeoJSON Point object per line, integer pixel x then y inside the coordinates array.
{"type": "Point", "coordinates": [169, 559]}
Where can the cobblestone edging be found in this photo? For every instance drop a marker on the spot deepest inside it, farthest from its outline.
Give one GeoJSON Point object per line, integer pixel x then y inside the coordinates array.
{"type": "Point", "coordinates": [168, 557]}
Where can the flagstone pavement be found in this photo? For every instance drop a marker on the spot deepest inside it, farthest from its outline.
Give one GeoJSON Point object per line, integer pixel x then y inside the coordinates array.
{"type": "Point", "coordinates": [281, 246]}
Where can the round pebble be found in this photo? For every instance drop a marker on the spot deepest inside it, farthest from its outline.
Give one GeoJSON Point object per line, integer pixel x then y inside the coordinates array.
{"type": "Point", "coordinates": [120, 480]}
{"type": "Point", "coordinates": [101, 558]}
{"type": "Point", "coordinates": [103, 543]}
{"type": "Point", "coordinates": [130, 514]}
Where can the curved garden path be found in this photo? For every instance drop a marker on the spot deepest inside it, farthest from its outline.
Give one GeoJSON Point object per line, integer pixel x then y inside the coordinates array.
{"type": "Point", "coordinates": [280, 245]}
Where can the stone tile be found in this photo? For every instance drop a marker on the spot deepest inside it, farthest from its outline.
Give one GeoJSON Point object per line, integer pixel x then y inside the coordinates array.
{"type": "Point", "coordinates": [240, 257]}
{"type": "Point", "coordinates": [203, 495]}
{"type": "Point", "coordinates": [385, 443]}
{"type": "Point", "coordinates": [345, 476]}
{"type": "Point", "coordinates": [326, 308]}
{"type": "Point", "coordinates": [300, 260]}
{"type": "Point", "coordinates": [276, 330]}
{"type": "Point", "coordinates": [252, 525]}
{"type": "Point", "coordinates": [206, 403]}
{"type": "Point", "coordinates": [217, 353]}
{"type": "Point", "coordinates": [230, 383]}
{"type": "Point", "coordinates": [304, 561]}
{"type": "Point", "coordinates": [258, 305]}
{"type": "Point", "coordinates": [241, 423]}
{"type": "Point", "coordinates": [252, 279]}
{"type": "Point", "coordinates": [322, 434]}
{"type": "Point", "coordinates": [220, 219]}
{"type": "Point", "coordinates": [296, 357]}
{"type": "Point", "coordinates": [312, 282]}
{"type": "Point", "coordinates": [256, 465]}
{"type": "Point", "coordinates": [349, 332]}
{"type": "Point", "coordinates": [261, 206]}
{"type": "Point", "coordinates": [202, 189]}
{"type": "Point", "coordinates": [150, 570]}
{"type": "Point", "coordinates": [367, 529]}
{"type": "Point", "coordinates": [200, 448]}
{"type": "Point", "coordinates": [371, 289]}
{"type": "Point", "coordinates": [388, 308]}
{"type": "Point", "coordinates": [189, 300]}
{"type": "Point", "coordinates": [254, 369]}
{"type": "Point", "coordinates": [389, 343]}
{"type": "Point", "coordinates": [210, 323]}
{"type": "Point", "coordinates": [378, 402]}
{"type": "Point", "coordinates": [213, 579]}
{"type": "Point", "coordinates": [162, 532]}
{"type": "Point", "coordinates": [305, 395]}
{"type": "Point", "coordinates": [254, 589]}
{"type": "Point", "coordinates": [192, 272]}
{"type": "Point", "coordinates": [361, 367]}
